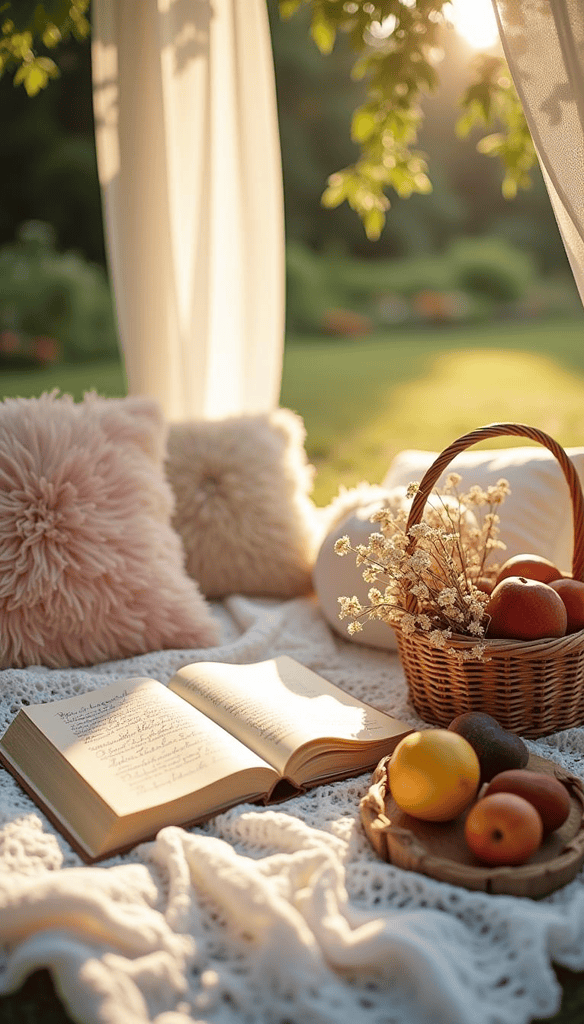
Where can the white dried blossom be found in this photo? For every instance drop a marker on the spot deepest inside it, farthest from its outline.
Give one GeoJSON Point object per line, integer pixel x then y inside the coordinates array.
{"type": "Point", "coordinates": [399, 543]}
{"type": "Point", "coordinates": [362, 552]}
{"type": "Point", "coordinates": [421, 530]}
{"type": "Point", "coordinates": [477, 652]}
{"type": "Point", "coordinates": [438, 637]}
{"type": "Point", "coordinates": [354, 627]}
{"type": "Point", "coordinates": [350, 606]}
{"type": "Point", "coordinates": [435, 564]}
{"type": "Point", "coordinates": [476, 628]}
{"type": "Point", "coordinates": [382, 515]}
{"type": "Point", "coordinates": [476, 496]}
{"type": "Point", "coordinates": [371, 575]}
{"type": "Point", "coordinates": [424, 622]}
{"type": "Point", "coordinates": [496, 493]}
{"type": "Point", "coordinates": [343, 546]}
{"type": "Point", "coordinates": [407, 623]}
{"type": "Point", "coordinates": [377, 543]}
{"type": "Point", "coordinates": [420, 560]}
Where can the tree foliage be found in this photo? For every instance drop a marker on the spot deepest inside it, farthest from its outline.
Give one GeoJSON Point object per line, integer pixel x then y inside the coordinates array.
{"type": "Point", "coordinates": [397, 50]}
{"type": "Point", "coordinates": [29, 30]}
{"type": "Point", "coordinates": [396, 47]}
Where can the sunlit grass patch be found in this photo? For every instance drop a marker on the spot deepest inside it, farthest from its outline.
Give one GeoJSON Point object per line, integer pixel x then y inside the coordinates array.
{"type": "Point", "coordinates": [363, 401]}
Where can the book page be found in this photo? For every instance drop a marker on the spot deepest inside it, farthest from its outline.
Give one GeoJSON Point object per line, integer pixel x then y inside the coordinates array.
{"type": "Point", "coordinates": [276, 706]}
{"type": "Point", "coordinates": [139, 745]}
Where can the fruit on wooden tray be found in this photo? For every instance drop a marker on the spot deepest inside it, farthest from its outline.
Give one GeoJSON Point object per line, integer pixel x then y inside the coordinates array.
{"type": "Point", "coordinates": [524, 609]}
{"type": "Point", "coordinates": [496, 749]}
{"type": "Point", "coordinates": [547, 794]}
{"type": "Point", "coordinates": [503, 828]}
{"type": "Point", "coordinates": [433, 774]}
{"type": "Point", "coordinates": [533, 567]}
{"type": "Point", "coordinates": [572, 594]}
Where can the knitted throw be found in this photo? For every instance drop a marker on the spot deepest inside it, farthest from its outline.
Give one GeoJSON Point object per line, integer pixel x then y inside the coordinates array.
{"type": "Point", "coordinates": [270, 916]}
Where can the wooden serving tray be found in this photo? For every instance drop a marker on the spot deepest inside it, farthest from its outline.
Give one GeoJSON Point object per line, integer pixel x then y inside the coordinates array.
{"type": "Point", "coordinates": [438, 849]}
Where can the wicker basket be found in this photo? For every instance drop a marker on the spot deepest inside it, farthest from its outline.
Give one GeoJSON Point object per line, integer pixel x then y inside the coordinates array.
{"type": "Point", "coordinates": [530, 687]}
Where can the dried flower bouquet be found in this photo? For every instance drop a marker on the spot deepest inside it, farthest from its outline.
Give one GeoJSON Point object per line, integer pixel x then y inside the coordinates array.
{"type": "Point", "coordinates": [442, 561]}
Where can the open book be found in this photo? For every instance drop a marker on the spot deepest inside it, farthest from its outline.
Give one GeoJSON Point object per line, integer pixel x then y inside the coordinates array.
{"type": "Point", "coordinates": [113, 766]}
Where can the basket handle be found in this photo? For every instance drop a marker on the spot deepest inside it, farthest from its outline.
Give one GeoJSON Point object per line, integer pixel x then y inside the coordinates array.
{"type": "Point", "coordinates": [496, 430]}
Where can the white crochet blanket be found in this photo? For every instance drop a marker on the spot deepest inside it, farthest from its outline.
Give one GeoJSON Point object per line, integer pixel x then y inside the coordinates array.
{"type": "Point", "coordinates": [264, 915]}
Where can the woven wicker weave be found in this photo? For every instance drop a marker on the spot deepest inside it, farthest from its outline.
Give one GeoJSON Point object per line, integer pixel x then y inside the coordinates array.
{"type": "Point", "coordinates": [530, 687]}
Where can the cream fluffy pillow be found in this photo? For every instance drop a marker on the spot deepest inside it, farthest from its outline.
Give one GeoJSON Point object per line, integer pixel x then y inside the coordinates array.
{"type": "Point", "coordinates": [535, 517]}
{"type": "Point", "coordinates": [243, 509]}
{"type": "Point", "coordinates": [90, 568]}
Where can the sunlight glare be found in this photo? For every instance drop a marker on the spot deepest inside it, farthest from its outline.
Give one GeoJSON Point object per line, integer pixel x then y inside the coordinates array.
{"type": "Point", "coordinates": [475, 21]}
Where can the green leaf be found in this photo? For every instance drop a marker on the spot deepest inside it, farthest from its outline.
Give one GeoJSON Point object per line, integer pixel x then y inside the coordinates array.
{"type": "Point", "coordinates": [21, 44]}
{"type": "Point", "coordinates": [288, 8]}
{"type": "Point", "coordinates": [20, 74]}
{"type": "Point", "coordinates": [81, 26]}
{"type": "Point", "coordinates": [478, 98]}
{"type": "Point", "coordinates": [363, 125]}
{"type": "Point", "coordinates": [464, 125]}
{"type": "Point", "coordinates": [373, 222]}
{"type": "Point", "coordinates": [360, 68]}
{"type": "Point", "coordinates": [35, 79]}
{"type": "Point", "coordinates": [51, 36]}
{"type": "Point", "coordinates": [509, 187]}
{"type": "Point", "coordinates": [35, 74]}
{"type": "Point", "coordinates": [490, 144]}
{"type": "Point", "coordinates": [322, 32]}
{"type": "Point", "coordinates": [422, 183]}
{"type": "Point", "coordinates": [334, 195]}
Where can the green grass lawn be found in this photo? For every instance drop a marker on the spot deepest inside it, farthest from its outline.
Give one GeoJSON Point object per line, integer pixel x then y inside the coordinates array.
{"type": "Point", "coordinates": [364, 400]}
{"type": "Point", "coordinates": [107, 378]}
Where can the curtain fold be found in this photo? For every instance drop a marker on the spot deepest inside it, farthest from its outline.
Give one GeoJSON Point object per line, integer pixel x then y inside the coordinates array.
{"type": "Point", "coordinates": [543, 42]}
{"type": "Point", "coordinates": [189, 165]}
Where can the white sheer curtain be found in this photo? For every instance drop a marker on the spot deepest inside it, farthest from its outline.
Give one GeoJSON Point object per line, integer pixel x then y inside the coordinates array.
{"type": "Point", "coordinates": [544, 46]}
{"type": "Point", "coordinates": [189, 164]}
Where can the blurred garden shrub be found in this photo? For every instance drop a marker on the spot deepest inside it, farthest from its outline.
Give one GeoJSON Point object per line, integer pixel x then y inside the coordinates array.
{"type": "Point", "coordinates": [57, 296]}
{"type": "Point", "coordinates": [472, 280]}
{"type": "Point", "coordinates": [491, 267]}
{"type": "Point", "coordinates": [310, 288]}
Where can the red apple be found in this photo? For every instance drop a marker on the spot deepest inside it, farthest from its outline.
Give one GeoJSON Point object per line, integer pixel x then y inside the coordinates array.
{"type": "Point", "coordinates": [533, 567]}
{"type": "Point", "coordinates": [522, 609]}
{"type": "Point", "coordinates": [572, 594]}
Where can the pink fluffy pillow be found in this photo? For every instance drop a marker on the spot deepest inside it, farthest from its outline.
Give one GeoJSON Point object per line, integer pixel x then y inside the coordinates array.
{"type": "Point", "coordinates": [90, 567]}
